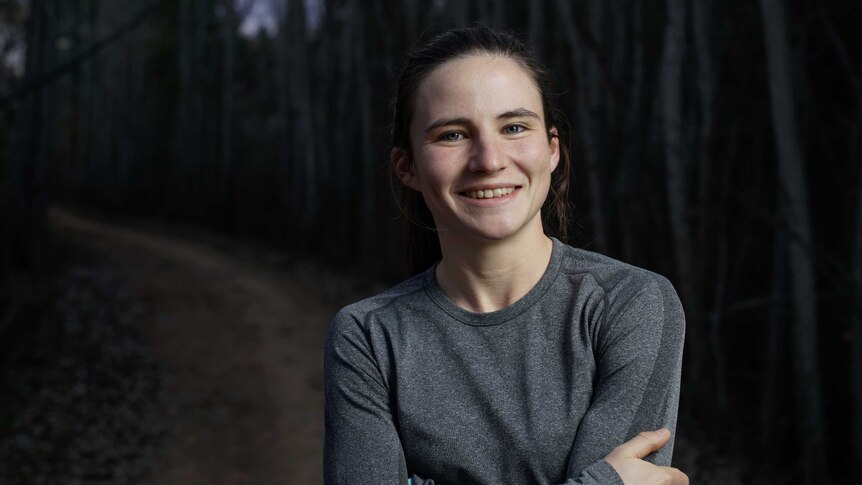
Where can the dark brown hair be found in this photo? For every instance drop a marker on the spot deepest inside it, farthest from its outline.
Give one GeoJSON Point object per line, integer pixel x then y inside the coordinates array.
{"type": "Point", "coordinates": [423, 246]}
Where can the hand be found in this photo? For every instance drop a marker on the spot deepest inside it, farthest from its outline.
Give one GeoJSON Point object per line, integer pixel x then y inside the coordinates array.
{"type": "Point", "coordinates": [627, 460]}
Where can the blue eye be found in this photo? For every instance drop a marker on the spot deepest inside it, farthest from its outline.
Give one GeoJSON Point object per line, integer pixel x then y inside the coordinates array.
{"type": "Point", "coordinates": [513, 129]}
{"type": "Point", "coordinates": [452, 136]}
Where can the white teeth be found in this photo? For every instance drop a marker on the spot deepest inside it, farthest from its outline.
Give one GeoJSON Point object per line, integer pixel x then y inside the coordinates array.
{"type": "Point", "coordinates": [489, 193]}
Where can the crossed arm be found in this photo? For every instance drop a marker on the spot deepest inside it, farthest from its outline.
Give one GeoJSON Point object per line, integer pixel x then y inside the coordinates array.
{"type": "Point", "coordinates": [638, 363]}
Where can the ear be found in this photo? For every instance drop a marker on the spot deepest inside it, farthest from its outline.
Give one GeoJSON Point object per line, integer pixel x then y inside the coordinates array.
{"type": "Point", "coordinates": [403, 167]}
{"type": "Point", "coordinates": [554, 143]}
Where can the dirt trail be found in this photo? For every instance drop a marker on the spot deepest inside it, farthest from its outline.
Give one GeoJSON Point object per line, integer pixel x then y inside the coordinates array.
{"type": "Point", "coordinates": [242, 353]}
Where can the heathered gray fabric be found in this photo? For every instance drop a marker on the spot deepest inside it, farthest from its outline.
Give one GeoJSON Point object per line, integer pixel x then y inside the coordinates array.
{"type": "Point", "coordinates": [536, 393]}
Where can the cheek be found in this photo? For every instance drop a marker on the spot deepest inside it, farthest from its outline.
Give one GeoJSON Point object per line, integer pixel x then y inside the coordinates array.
{"type": "Point", "coordinates": [436, 166]}
{"type": "Point", "coordinates": [536, 155]}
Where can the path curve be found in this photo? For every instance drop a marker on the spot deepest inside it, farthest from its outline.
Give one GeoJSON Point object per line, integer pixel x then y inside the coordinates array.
{"type": "Point", "coordinates": [242, 352]}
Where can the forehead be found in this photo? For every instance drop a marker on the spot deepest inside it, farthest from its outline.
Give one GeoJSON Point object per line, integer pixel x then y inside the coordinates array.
{"type": "Point", "coordinates": [476, 85]}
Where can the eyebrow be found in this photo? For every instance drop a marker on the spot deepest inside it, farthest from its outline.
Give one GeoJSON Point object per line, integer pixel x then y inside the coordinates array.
{"type": "Point", "coordinates": [514, 113]}
{"type": "Point", "coordinates": [446, 122]}
{"type": "Point", "coordinates": [518, 113]}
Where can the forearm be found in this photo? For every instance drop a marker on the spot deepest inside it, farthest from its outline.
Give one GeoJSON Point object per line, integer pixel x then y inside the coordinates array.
{"type": "Point", "coordinates": [637, 379]}
{"type": "Point", "coordinates": [599, 473]}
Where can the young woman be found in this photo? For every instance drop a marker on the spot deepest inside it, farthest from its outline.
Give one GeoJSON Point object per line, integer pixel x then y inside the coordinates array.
{"type": "Point", "coordinates": [516, 358]}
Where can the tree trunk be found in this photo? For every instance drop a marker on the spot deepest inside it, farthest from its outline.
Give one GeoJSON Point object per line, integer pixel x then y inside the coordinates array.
{"type": "Point", "coordinates": [702, 13]}
{"type": "Point", "coordinates": [304, 118]}
{"type": "Point", "coordinates": [677, 170]}
{"type": "Point", "coordinates": [411, 19]}
{"type": "Point", "coordinates": [368, 167]}
{"type": "Point", "coordinates": [83, 102]}
{"type": "Point", "coordinates": [856, 320]}
{"type": "Point", "coordinates": [631, 130]}
{"type": "Point", "coordinates": [23, 221]}
{"type": "Point", "coordinates": [100, 172]}
{"type": "Point", "coordinates": [675, 155]}
{"type": "Point", "coordinates": [585, 70]}
{"type": "Point", "coordinates": [491, 13]}
{"type": "Point", "coordinates": [182, 150]}
{"type": "Point", "coordinates": [323, 72]}
{"type": "Point", "coordinates": [778, 316]}
{"type": "Point", "coordinates": [460, 12]}
{"type": "Point", "coordinates": [287, 171]}
{"type": "Point", "coordinates": [229, 26]}
{"type": "Point", "coordinates": [138, 118]}
{"type": "Point", "coordinates": [856, 323]}
{"type": "Point", "coordinates": [344, 150]}
{"type": "Point", "coordinates": [537, 25]}
{"type": "Point", "coordinates": [794, 194]}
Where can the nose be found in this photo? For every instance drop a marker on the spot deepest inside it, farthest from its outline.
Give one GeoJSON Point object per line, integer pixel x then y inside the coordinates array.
{"type": "Point", "coordinates": [487, 155]}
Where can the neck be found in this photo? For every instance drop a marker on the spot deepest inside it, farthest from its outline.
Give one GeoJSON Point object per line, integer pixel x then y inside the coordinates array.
{"type": "Point", "coordinates": [484, 276]}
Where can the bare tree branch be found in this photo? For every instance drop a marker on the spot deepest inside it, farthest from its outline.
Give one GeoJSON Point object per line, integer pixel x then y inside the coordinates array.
{"type": "Point", "coordinates": [54, 74]}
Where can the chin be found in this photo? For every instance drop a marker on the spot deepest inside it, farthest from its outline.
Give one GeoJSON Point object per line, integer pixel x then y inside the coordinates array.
{"type": "Point", "coordinates": [489, 229]}
{"type": "Point", "coordinates": [495, 233]}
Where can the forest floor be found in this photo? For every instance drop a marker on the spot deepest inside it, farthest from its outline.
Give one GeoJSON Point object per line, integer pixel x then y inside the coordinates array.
{"type": "Point", "coordinates": [167, 359]}
{"type": "Point", "coordinates": [228, 357]}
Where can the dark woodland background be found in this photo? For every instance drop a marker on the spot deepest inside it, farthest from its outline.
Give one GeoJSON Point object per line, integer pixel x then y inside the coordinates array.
{"type": "Point", "coordinates": [718, 142]}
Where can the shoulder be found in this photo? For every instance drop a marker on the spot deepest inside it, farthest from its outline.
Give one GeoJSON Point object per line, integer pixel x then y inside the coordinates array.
{"type": "Point", "coordinates": [356, 316]}
{"type": "Point", "coordinates": [641, 313]}
{"type": "Point", "coordinates": [620, 284]}
{"type": "Point", "coordinates": [357, 336]}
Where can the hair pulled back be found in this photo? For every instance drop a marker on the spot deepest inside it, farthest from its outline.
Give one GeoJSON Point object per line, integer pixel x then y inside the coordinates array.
{"type": "Point", "coordinates": [423, 246]}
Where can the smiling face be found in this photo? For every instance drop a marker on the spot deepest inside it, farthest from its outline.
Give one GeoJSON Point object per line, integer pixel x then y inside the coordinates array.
{"type": "Point", "coordinates": [481, 154]}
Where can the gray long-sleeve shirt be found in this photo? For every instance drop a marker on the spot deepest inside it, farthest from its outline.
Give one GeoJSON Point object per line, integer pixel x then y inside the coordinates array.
{"type": "Point", "coordinates": [536, 393]}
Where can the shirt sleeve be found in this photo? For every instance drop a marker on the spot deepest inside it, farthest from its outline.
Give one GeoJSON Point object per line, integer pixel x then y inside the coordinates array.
{"type": "Point", "coordinates": [638, 349]}
{"type": "Point", "coordinates": [361, 442]}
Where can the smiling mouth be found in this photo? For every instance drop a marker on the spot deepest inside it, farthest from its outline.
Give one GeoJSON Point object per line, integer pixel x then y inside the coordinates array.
{"type": "Point", "coordinates": [488, 193]}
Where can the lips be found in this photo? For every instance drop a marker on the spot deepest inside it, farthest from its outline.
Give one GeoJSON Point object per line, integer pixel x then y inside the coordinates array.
{"type": "Point", "coordinates": [488, 193]}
